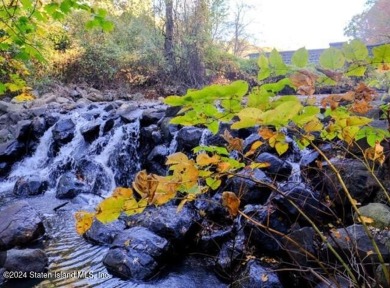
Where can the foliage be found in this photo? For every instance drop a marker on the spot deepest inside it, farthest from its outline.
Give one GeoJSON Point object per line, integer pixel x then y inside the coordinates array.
{"type": "Point", "coordinates": [274, 117]}
{"type": "Point", "coordinates": [22, 24]}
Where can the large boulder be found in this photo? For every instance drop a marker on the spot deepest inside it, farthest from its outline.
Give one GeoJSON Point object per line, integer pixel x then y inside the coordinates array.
{"type": "Point", "coordinates": [63, 132]}
{"type": "Point", "coordinates": [12, 151]}
{"type": "Point", "coordinates": [251, 186]}
{"type": "Point", "coordinates": [20, 224]}
{"type": "Point", "coordinates": [30, 186]}
{"type": "Point", "coordinates": [136, 253]}
{"type": "Point", "coordinates": [378, 212]}
{"type": "Point", "coordinates": [167, 222]}
{"type": "Point", "coordinates": [93, 175]}
{"type": "Point", "coordinates": [69, 186]}
{"type": "Point", "coordinates": [100, 233]}
{"type": "Point", "coordinates": [26, 260]}
{"type": "Point", "coordinates": [188, 138]}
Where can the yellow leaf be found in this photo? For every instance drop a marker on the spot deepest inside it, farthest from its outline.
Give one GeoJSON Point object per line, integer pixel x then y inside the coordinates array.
{"type": "Point", "coordinates": [254, 148]}
{"type": "Point", "coordinates": [166, 190]}
{"type": "Point", "coordinates": [313, 125]}
{"type": "Point", "coordinates": [266, 133]}
{"type": "Point", "coordinates": [122, 191]}
{"type": "Point", "coordinates": [366, 220]}
{"type": "Point", "coordinates": [24, 97]}
{"type": "Point", "coordinates": [110, 208]}
{"type": "Point", "coordinates": [131, 206]}
{"type": "Point", "coordinates": [176, 158]}
{"type": "Point", "coordinates": [281, 147]}
{"type": "Point", "coordinates": [83, 221]}
{"type": "Point", "coordinates": [258, 165]}
{"type": "Point", "coordinates": [231, 202]}
{"type": "Point", "coordinates": [203, 159]}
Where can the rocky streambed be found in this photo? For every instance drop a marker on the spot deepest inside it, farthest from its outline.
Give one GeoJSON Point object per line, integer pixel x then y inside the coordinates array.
{"type": "Point", "coordinates": [57, 157]}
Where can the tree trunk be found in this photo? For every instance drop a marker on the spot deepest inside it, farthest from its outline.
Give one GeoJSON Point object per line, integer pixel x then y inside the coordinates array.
{"type": "Point", "coordinates": [168, 44]}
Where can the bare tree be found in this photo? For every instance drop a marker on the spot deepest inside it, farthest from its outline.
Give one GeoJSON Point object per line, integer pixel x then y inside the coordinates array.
{"type": "Point", "coordinates": [239, 25]}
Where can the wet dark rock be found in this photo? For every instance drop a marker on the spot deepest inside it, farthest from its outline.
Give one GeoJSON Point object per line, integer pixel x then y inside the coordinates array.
{"type": "Point", "coordinates": [12, 151]}
{"type": "Point", "coordinates": [172, 111]}
{"type": "Point", "coordinates": [108, 125]}
{"type": "Point", "coordinates": [2, 279]}
{"type": "Point", "coordinates": [23, 130]}
{"type": "Point", "coordinates": [213, 208]}
{"type": "Point", "coordinates": [188, 138]}
{"type": "Point", "coordinates": [167, 130]}
{"type": "Point", "coordinates": [339, 282]}
{"type": "Point", "coordinates": [230, 255]}
{"type": "Point", "coordinates": [309, 158]}
{"type": "Point", "coordinates": [93, 175]}
{"type": "Point", "coordinates": [100, 233]}
{"type": "Point", "coordinates": [256, 275]}
{"type": "Point", "coordinates": [26, 260]}
{"type": "Point", "coordinates": [51, 119]}
{"type": "Point", "coordinates": [20, 224]}
{"type": "Point", "coordinates": [167, 222]}
{"type": "Point", "coordinates": [247, 186]}
{"type": "Point", "coordinates": [38, 127]}
{"type": "Point", "coordinates": [155, 161]}
{"type": "Point", "coordinates": [305, 237]}
{"type": "Point", "coordinates": [63, 132]}
{"type": "Point", "coordinates": [152, 116]}
{"type": "Point", "coordinates": [278, 168]}
{"type": "Point", "coordinates": [359, 181]}
{"type": "Point", "coordinates": [129, 113]}
{"type": "Point", "coordinates": [136, 254]}
{"type": "Point", "coordinates": [268, 216]}
{"type": "Point", "coordinates": [69, 186]}
{"type": "Point", "coordinates": [30, 186]}
{"type": "Point", "coordinates": [354, 238]}
{"type": "Point", "coordinates": [90, 131]}
{"type": "Point", "coordinates": [305, 198]}
{"type": "Point", "coordinates": [211, 240]}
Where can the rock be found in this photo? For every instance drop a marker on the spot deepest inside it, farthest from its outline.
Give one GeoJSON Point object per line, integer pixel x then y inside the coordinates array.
{"type": "Point", "coordinates": [100, 233]}
{"type": "Point", "coordinates": [93, 175]}
{"type": "Point", "coordinates": [63, 132]}
{"type": "Point", "coordinates": [129, 113]}
{"type": "Point", "coordinates": [230, 255]}
{"type": "Point", "coordinates": [305, 237]}
{"type": "Point", "coordinates": [257, 276]}
{"type": "Point", "coordinates": [38, 127]}
{"type": "Point", "coordinates": [12, 151]}
{"type": "Point", "coordinates": [136, 254]}
{"type": "Point", "coordinates": [339, 282]}
{"type": "Point", "coordinates": [305, 198]}
{"type": "Point", "coordinates": [2, 279]}
{"type": "Point", "coordinates": [211, 241]}
{"type": "Point", "coordinates": [359, 181]}
{"type": "Point", "coordinates": [23, 131]}
{"type": "Point", "coordinates": [90, 131]}
{"type": "Point", "coordinates": [258, 238]}
{"type": "Point", "coordinates": [166, 222]}
{"type": "Point", "coordinates": [213, 208]}
{"type": "Point", "coordinates": [308, 158]}
{"type": "Point", "coordinates": [278, 168]}
{"type": "Point", "coordinates": [247, 186]}
{"type": "Point", "coordinates": [155, 161]}
{"type": "Point", "coordinates": [30, 186]}
{"type": "Point", "coordinates": [152, 116]}
{"type": "Point", "coordinates": [188, 138]}
{"type": "Point", "coordinates": [69, 186]}
{"type": "Point", "coordinates": [26, 260]}
{"type": "Point", "coordinates": [95, 96]}
{"type": "Point", "coordinates": [20, 224]}
{"type": "Point", "coordinates": [380, 276]}
{"type": "Point", "coordinates": [379, 212]}
{"type": "Point", "coordinates": [108, 125]}
{"type": "Point", "coordinates": [168, 130]}
{"type": "Point", "coordinates": [354, 238]}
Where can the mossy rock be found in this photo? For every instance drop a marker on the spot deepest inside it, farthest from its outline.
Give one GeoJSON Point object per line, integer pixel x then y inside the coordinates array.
{"type": "Point", "coordinates": [378, 212]}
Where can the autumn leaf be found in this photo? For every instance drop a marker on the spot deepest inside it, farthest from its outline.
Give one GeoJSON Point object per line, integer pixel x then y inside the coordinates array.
{"type": "Point", "coordinates": [255, 145]}
{"type": "Point", "coordinates": [259, 165]}
{"type": "Point", "coordinates": [203, 159]}
{"type": "Point", "coordinates": [83, 221]}
{"type": "Point", "coordinates": [234, 143]}
{"type": "Point", "coordinates": [123, 192]}
{"type": "Point", "coordinates": [231, 202]}
{"type": "Point", "coordinates": [375, 153]}
{"type": "Point", "coordinates": [145, 184]}
{"type": "Point", "coordinates": [223, 167]}
{"type": "Point", "coordinates": [131, 206]}
{"type": "Point", "coordinates": [166, 190]}
{"type": "Point", "coordinates": [266, 133]}
{"type": "Point", "coordinates": [360, 107]}
{"type": "Point", "coordinates": [304, 81]}
{"type": "Point", "coordinates": [110, 208]}
{"type": "Point", "coordinates": [366, 220]}
{"type": "Point", "coordinates": [176, 158]}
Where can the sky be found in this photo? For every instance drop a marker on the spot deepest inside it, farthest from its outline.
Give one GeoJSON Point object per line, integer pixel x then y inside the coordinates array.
{"type": "Point", "coordinates": [291, 24]}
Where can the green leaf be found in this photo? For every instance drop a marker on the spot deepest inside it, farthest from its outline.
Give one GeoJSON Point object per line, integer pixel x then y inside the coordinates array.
{"type": "Point", "coordinates": [109, 209]}
{"type": "Point", "coordinates": [213, 183]}
{"type": "Point", "coordinates": [308, 113]}
{"type": "Point", "coordinates": [174, 100]}
{"type": "Point", "coordinates": [332, 58]}
{"type": "Point", "coordinates": [92, 24]}
{"type": "Point", "coordinates": [51, 8]}
{"type": "Point", "coordinates": [300, 57]}
{"type": "Point", "coordinates": [277, 64]}
{"type": "Point", "coordinates": [381, 54]}
{"type": "Point", "coordinates": [107, 26]}
{"type": "Point", "coordinates": [213, 127]}
{"type": "Point", "coordinates": [3, 88]}
{"type": "Point", "coordinates": [27, 4]}
{"type": "Point", "coordinates": [355, 51]}
{"type": "Point", "coordinates": [264, 71]}
{"type": "Point", "coordinates": [213, 149]}
{"type": "Point", "coordinates": [356, 70]}
{"type": "Point", "coordinates": [66, 6]}
{"type": "Point", "coordinates": [249, 117]}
